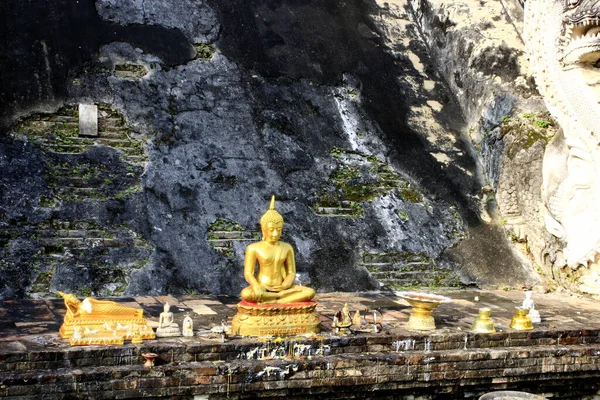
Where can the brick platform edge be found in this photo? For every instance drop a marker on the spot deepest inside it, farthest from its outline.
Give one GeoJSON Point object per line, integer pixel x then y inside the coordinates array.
{"type": "Point", "coordinates": [560, 364]}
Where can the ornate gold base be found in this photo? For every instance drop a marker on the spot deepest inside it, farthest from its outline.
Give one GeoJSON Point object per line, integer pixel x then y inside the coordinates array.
{"type": "Point", "coordinates": [255, 319]}
{"type": "Point", "coordinates": [123, 327]}
{"type": "Point", "coordinates": [102, 340]}
{"type": "Point", "coordinates": [421, 320]}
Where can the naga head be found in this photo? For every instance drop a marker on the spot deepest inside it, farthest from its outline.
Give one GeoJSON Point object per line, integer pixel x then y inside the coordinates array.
{"type": "Point", "coordinates": [580, 41]}
{"type": "Point", "coordinates": [563, 42]}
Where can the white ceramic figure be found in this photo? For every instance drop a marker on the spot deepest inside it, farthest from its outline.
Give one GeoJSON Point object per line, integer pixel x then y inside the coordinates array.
{"type": "Point", "coordinates": [166, 326]}
{"type": "Point", "coordinates": [188, 326]}
{"type": "Point", "coordinates": [529, 304]}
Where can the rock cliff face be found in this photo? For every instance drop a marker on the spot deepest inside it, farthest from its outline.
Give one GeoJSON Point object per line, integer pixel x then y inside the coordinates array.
{"type": "Point", "coordinates": [206, 109]}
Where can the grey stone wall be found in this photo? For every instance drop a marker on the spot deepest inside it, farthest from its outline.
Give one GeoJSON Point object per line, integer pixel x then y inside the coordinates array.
{"type": "Point", "coordinates": [209, 109]}
{"type": "Point", "coordinates": [480, 53]}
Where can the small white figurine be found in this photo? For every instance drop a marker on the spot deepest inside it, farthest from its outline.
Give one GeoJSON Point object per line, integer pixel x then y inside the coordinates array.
{"type": "Point", "coordinates": [166, 326]}
{"type": "Point", "coordinates": [76, 333]}
{"type": "Point", "coordinates": [188, 326]}
{"type": "Point", "coordinates": [529, 304]}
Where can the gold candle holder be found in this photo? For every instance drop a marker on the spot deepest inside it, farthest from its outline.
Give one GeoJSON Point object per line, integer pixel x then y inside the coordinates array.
{"type": "Point", "coordinates": [483, 323]}
{"type": "Point", "coordinates": [521, 322]}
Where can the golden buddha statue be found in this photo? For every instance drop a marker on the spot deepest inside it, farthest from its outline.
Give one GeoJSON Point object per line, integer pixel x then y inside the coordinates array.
{"type": "Point", "coordinates": [277, 266]}
{"type": "Point", "coordinates": [96, 317]}
{"type": "Point", "coordinates": [272, 303]}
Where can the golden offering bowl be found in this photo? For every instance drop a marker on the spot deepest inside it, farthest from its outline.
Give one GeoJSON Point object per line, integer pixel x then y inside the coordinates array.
{"type": "Point", "coordinates": [521, 321]}
{"type": "Point", "coordinates": [422, 305]}
{"type": "Point", "coordinates": [483, 323]}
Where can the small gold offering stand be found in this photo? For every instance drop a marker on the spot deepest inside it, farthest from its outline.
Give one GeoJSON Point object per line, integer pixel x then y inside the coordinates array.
{"type": "Point", "coordinates": [422, 305]}
{"type": "Point", "coordinates": [521, 321]}
{"type": "Point", "coordinates": [483, 323]}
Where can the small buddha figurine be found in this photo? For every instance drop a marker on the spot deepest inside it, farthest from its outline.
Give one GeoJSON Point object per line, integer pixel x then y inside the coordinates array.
{"type": "Point", "coordinates": [346, 315]}
{"type": "Point", "coordinates": [166, 326]}
{"type": "Point", "coordinates": [188, 326]}
{"type": "Point", "coordinates": [277, 266]}
{"type": "Point", "coordinates": [529, 304]}
{"type": "Point", "coordinates": [357, 319]}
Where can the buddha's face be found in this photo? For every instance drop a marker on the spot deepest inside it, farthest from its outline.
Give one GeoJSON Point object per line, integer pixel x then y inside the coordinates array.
{"type": "Point", "coordinates": [272, 232]}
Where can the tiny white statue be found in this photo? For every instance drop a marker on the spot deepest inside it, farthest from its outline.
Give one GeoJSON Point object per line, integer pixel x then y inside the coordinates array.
{"type": "Point", "coordinates": [529, 304]}
{"type": "Point", "coordinates": [166, 326]}
{"type": "Point", "coordinates": [76, 333]}
{"type": "Point", "coordinates": [188, 326]}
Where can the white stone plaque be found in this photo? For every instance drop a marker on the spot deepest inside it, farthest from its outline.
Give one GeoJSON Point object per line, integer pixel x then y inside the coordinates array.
{"type": "Point", "coordinates": [88, 120]}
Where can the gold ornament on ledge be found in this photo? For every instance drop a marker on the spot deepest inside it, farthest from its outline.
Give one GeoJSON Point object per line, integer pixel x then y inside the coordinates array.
{"type": "Point", "coordinates": [422, 305]}
{"type": "Point", "coordinates": [483, 323]}
{"type": "Point", "coordinates": [342, 321]}
{"type": "Point", "coordinates": [272, 304]}
{"type": "Point", "coordinates": [521, 321]}
{"type": "Point", "coordinates": [100, 322]}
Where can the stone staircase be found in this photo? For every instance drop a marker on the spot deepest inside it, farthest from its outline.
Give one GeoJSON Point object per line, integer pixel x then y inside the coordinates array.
{"type": "Point", "coordinates": [130, 71]}
{"type": "Point", "coordinates": [224, 232]}
{"type": "Point", "coordinates": [59, 133]}
{"type": "Point", "coordinates": [403, 270]}
{"type": "Point", "coordinates": [109, 253]}
{"type": "Point", "coordinates": [76, 180]}
{"type": "Point", "coordinates": [359, 179]}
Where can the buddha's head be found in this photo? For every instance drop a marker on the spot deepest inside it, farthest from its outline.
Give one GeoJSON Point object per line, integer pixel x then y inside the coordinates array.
{"type": "Point", "coordinates": [69, 298]}
{"type": "Point", "coordinates": [271, 224]}
{"type": "Point", "coordinates": [167, 307]}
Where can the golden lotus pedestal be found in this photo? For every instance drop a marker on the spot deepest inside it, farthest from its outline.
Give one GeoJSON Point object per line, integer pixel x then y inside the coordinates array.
{"type": "Point", "coordinates": [422, 305]}
{"type": "Point", "coordinates": [255, 319]}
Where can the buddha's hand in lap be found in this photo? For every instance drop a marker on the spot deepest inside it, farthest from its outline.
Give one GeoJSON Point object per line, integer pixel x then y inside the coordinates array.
{"type": "Point", "coordinates": [258, 292]}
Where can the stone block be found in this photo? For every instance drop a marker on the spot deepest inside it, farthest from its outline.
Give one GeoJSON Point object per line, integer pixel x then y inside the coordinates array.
{"type": "Point", "coordinates": [88, 120]}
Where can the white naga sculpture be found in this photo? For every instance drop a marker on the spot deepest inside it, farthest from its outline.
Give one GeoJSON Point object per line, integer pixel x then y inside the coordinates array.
{"type": "Point", "coordinates": [564, 48]}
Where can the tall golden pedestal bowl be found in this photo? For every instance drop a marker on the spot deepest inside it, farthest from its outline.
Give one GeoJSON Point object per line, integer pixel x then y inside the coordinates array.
{"type": "Point", "coordinates": [422, 305]}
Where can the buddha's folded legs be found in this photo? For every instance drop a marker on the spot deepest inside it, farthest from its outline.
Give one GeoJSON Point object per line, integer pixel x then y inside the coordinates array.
{"type": "Point", "coordinates": [294, 294]}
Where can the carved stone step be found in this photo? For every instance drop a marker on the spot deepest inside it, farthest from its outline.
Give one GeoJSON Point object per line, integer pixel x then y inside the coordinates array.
{"type": "Point", "coordinates": [403, 258]}
{"type": "Point", "coordinates": [334, 210]}
{"type": "Point", "coordinates": [121, 142]}
{"type": "Point", "coordinates": [108, 122]}
{"type": "Point", "coordinates": [116, 134]}
{"type": "Point", "coordinates": [222, 243]}
{"type": "Point", "coordinates": [66, 149]}
{"type": "Point", "coordinates": [80, 191]}
{"type": "Point", "coordinates": [401, 275]}
{"type": "Point", "coordinates": [131, 151]}
{"type": "Point", "coordinates": [395, 267]}
{"type": "Point", "coordinates": [80, 242]}
{"type": "Point", "coordinates": [65, 118]}
{"type": "Point", "coordinates": [84, 233]}
{"type": "Point", "coordinates": [67, 182]}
